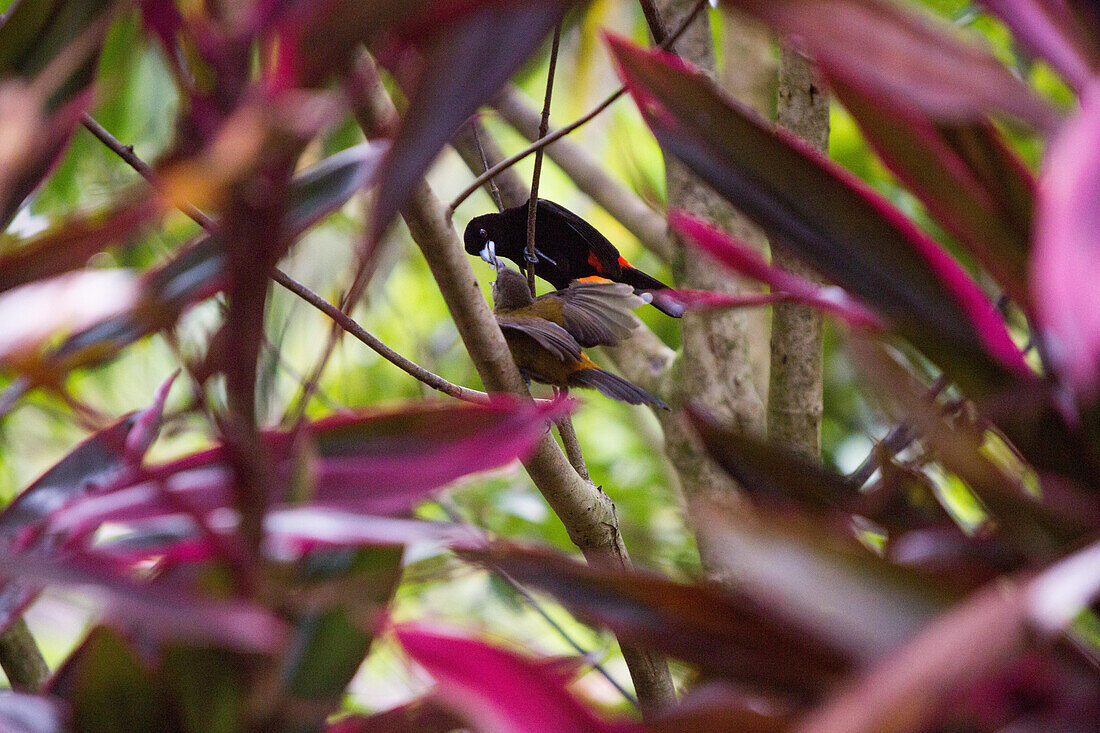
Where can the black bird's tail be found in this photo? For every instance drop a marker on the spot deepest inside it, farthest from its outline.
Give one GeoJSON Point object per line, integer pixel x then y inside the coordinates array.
{"type": "Point", "coordinates": [614, 387]}
{"type": "Point", "coordinates": [638, 280]}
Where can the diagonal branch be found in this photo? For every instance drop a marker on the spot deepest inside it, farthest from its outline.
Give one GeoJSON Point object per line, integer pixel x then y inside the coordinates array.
{"type": "Point", "coordinates": [590, 176]}
{"type": "Point", "coordinates": [587, 513]}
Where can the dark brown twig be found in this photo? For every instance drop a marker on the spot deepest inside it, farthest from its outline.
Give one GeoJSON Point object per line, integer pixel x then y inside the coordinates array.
{"type": "Point", "coordinates": [532, 206]}
{"type": "Point", "coordinates": [345, 321]}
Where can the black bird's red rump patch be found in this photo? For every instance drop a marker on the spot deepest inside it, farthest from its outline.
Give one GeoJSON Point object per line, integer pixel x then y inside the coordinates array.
{"type": "Point", "coordinates": [567, 248]}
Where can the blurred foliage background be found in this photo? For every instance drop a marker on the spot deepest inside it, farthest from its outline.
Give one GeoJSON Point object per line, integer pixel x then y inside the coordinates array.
{"type": "Point", "coordinates": [136, 102]}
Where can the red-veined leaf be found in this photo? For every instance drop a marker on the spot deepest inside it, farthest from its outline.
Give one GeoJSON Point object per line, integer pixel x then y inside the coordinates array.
{"type": "Point", "coordinates": [464, 65]}
{"type": "Point", "coordinates": [292, 531]}
{"type": "Point", "coordinates": [891, 51]}
{"type": "Point", "coordinates": [380, 463]}
{"type": "Point", "coordinates": [199, 271]}
{"type": "Point", "coordinates": [52, 46]}
{"type": "Point", "coordinates": [42, 311]}
{"type": "Point", "coordinates": [24, 713]}
{"type": "Point", "coordinates": [499, 690]}
{"type": "Point", "coordinates": [917, 153]}
{"type": "Point", "coordinates": [995, 626]}
{"type": "Point", "coordinates": [167, 609]}
{"type": "Point", "coordinates": [718, 708]}
{"type": "Point", "coordinates": [147, 426]}
{"type": "Point", "coordinates": [422, 715]}
{"type": "Point", "coordinates": [403, 454]}
{"type": "Point", "coordinates": [741, 258]}
{"type": "Point", "coordinates": [830, 219]}
{"type": "Point", "coordinates": [1028, 518]}
{"type": "Point", "coordinates": [820, 577]}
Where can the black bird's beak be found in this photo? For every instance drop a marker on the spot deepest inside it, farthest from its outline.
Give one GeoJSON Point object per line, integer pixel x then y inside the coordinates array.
{"type": "Point", "coordinates": [489, 254]}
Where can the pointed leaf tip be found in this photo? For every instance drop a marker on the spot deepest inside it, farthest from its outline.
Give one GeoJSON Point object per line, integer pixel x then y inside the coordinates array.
{"type": "Point", "coordinates": [498, 689]}
{"type": "Point", "coordinates": [147, 423]}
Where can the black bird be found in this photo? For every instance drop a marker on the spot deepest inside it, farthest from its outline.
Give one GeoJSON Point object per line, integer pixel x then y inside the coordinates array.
{"type": "Point", "coordinates": [545, 334]}
{"type": "Point", "coordinates": [567, 248]}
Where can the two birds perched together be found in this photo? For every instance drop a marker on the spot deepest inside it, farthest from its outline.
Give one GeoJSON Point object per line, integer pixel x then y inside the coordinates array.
{"type": "Point", "coordinates": [597, 292]}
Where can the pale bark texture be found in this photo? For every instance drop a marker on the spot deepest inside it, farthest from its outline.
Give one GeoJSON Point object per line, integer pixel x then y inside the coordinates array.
{"type": "Point", "coordinates": [715, 371]}
{"type": "Point", "coordinates": [795, 390]}
{"type": "Point", "coordinates": [587, 513]}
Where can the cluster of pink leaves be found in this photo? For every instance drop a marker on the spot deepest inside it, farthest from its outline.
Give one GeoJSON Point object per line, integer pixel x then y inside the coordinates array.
{"type": "Point", "coordinates": [926, 111]}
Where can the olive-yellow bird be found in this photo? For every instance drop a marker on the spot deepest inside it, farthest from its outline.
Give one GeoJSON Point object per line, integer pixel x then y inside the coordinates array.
{"type": "Point", "coordinates": [545, 334]}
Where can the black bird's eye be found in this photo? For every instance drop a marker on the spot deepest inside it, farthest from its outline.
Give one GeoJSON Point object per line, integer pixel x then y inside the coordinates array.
{"type": "Point", "coordinates": [484, 234]}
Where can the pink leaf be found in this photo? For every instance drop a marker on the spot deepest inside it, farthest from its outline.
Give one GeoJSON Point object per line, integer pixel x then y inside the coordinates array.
{"type": "Point", "coordinates": [1048, 29]}
{"type": "Point", "coordinates": [499, 690]}
{"type": "Point", "coordinates": [162, 608]}
{"type": "Point", "coordinates": [1066, 264]}
{"type": "Point", "coordinates": [147, 423]}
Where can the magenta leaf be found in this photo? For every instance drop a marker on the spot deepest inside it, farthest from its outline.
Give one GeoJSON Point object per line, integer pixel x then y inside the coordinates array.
{"type": "Point", "coordinates": [164, 608]}
{"type": "Point", "coordinates": [456, 78]}
{"type": "Point", "coordinates": [722, 708]}
{"type": "Point", "coordinates": [827, 217]}
{"type": "Point", "coordinates": [199, 271]}
{"type": "Point", "coordinates": [499, 690]}
{"type": "Point", "coordinates": [1066, 265]}
{"type": "Point", "coordinates": [380, 463]}
{"type": "Point", "coordinates": [422, 715]}
{"type": "Point", "coordinates": [891, 51]}
{"type": "Point", "coordinates": [384, 463]}
{"type": "Point", "coordinates": [1049, 29]}
{"type": "Point", "coordinates": [148, 421]}
{"type": "Point", "coordinates": [41, 311]}
{"type": "Point", "coordinates": [94, 463]}
{"type": "Point", "coordinates": [772, 472]}
{"type": "Point", "coordinates": [58, 40]}
{"type": "Point", "coordinates": [293, 531]}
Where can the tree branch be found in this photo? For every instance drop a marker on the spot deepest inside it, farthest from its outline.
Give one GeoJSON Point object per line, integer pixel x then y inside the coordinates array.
{"type": "Point", "coordinates": [795, 388]}
{"type": "Point", "coordinates": [588, 514]}
{"type": "Point", "coordinates": [349, 324]}
{"type": "Point", "coordinates": [21, 658]}
{"type": "Point", "coordinates": [539, 144]}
